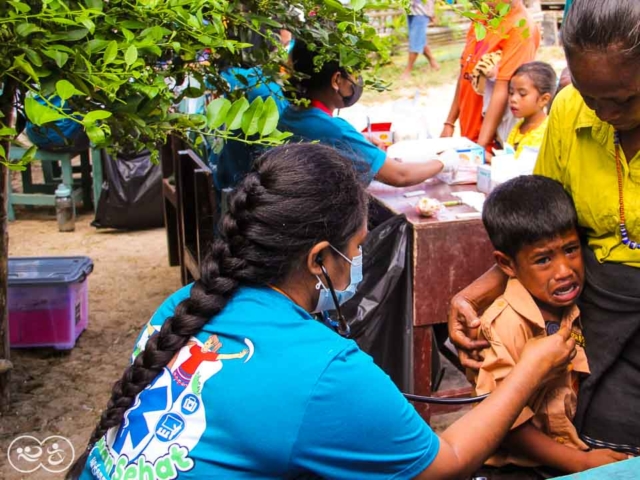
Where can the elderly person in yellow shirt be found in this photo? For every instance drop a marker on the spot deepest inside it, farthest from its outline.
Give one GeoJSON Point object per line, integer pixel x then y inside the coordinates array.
{"type": "Point", "coordinates": [592, 147]}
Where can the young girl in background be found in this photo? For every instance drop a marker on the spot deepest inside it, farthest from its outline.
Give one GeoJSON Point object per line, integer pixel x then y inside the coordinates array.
{"type": "Point", "coordinates": [531, 89]}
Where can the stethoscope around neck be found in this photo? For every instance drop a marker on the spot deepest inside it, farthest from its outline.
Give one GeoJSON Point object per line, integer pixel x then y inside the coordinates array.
{"type": "Point", "coordinates": [343, 329]}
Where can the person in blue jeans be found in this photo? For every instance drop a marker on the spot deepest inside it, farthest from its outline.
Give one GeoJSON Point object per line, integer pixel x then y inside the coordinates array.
{"type": "Point", "coordinates": [422, 13]}
{"type": "Point", "coordinates": [239, 379]}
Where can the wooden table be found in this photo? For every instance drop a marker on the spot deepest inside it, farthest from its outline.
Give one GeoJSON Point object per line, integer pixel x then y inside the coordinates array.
{"type": "Point", "coordinates": [448, 253]}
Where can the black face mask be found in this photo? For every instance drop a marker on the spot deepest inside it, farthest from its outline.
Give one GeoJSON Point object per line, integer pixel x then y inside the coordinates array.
{"type": "Point", "coordinates": [357, 88]}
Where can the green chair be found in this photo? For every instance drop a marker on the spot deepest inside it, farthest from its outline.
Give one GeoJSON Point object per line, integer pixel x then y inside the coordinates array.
{"type": "Point", "coordinates": [43, 194]}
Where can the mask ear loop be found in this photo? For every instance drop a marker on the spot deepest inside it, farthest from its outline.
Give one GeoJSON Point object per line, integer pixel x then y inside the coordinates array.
{"type": "Point", "coordinates": [343, 327]}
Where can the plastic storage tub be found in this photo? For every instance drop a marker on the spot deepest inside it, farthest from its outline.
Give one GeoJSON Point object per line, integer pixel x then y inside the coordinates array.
{"type": "Point", "coordinates": [48, 301]}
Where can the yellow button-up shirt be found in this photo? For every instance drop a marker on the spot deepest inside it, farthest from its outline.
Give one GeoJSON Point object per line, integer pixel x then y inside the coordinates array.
{"type": "Point", "coordinates": [578, 151]}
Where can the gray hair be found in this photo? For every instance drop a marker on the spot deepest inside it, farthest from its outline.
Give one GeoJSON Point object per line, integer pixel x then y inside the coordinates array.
{"type": "Point", "coordinates": [597, 25]}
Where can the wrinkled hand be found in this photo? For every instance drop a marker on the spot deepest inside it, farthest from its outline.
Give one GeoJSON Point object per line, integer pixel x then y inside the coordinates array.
{"type": "Point", "coordinates": [602, 456]}
{"type": "Point", "coordinates": [447, 131]}
{"type": "Point", "coordinates": [550, 355]}
{"type": "Point", "coordinates": [463, 325]}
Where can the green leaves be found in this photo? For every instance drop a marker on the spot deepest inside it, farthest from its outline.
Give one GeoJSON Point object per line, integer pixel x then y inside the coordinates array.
{"type": "Point", "coordinates": [131, 55]}
{"type": "Point", "coordinates": [40, 114]}
{"type": "Point", "coordinates": [7, 132]}
{"type": "Point", "coordinates": [259, 117]}
{"type": "Point", "coordinates": [480, 31]}
{"type": "Point", "coordinates": [217, 112]}
{"type": "Point", "coordinates": [57, 56]}
{"type": "Point", "coordinates": [269, 119]}
{"type": "Point", "coordinates": [94, 4]}
{"type": "Point", "coordinates": [251, 117]}
{"type": "Point", "coordinates": [234, 117]}
{"type": "Point", "coordinates": [110, 53]}
{"type": "Point", "coordinates": [26, 29]}
{"type": "Point", "coordinates": [118, 70]}
{"type": "Point", "coordinates": [503, 9]}
{"type": "Point", "coordinates": [92, 117]}
{"type": "Point", "coordinates": [358, 4]}
{"type": "Point", "coordinates": [22, 65]}
{"type": "Point", "coordinates": [66, 89]}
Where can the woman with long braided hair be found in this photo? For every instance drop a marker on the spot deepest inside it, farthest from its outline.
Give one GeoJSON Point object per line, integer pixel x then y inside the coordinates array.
{"type": "Point", "coordinates": [234, 378]}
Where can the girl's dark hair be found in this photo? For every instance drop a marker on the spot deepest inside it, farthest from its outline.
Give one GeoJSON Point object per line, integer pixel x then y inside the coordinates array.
{"type": "Point", "coordinates": [602, 24]}
{"type": "Point", "coordinates": [309, 77]}
{"type": "Point", "coordinates": [525, 210]}
{"type": "Point", "coordinates": [542, 75]}
{"type": "Point", "coordinates": [295, 196]}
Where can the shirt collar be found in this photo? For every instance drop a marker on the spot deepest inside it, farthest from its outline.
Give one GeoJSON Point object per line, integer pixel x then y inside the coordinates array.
{"type": "Point", "coordinates": [321, 106]}
{"type": "Point", "coordinates": [601, 131]}
{"type": "Point", "coordinates": [523, 303]}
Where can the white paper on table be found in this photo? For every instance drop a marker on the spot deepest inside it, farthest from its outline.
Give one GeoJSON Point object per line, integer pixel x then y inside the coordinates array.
{"type": "Point", "coordinates": [412, 151]}
{"type": "Point", "coordinates": [474, 200]}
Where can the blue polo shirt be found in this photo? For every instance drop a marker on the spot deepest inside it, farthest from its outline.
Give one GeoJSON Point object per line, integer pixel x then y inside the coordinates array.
{"type": "Point", "coordinates": [312, 124]}
{"type": "Point", "coordinates": [265, 391]}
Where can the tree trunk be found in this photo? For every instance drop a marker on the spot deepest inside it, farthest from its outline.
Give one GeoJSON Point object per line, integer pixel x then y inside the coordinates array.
{"type": "Point", "coordinates": [6, 105]}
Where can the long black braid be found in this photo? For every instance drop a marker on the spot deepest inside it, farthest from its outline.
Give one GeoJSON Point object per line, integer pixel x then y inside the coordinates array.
{"type": "Point", "coordinates": [295, 197]}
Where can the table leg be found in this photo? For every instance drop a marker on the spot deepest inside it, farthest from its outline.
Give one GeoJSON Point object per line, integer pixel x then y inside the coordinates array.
{"type": "Point", "coordinates": [67, 172]}
{"type": "Point", "coordinates": [27, 179]}
{"type": "Point", "coordinates": [422, 350]}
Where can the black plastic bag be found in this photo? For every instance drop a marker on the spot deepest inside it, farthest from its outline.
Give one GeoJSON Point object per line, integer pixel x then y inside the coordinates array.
{"type": "Point", "coordinates": [131, 195]}
{"type": "Point", "coordinates": [380, 314]}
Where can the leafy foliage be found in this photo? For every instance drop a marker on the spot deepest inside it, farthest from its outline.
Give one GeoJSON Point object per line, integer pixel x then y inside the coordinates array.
{"type": "Point", "coordinates": [121, 66]}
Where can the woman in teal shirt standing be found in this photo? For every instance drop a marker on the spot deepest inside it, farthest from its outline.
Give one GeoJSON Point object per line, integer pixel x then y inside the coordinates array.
{"type": "Point", "coordinates": [233, 377]}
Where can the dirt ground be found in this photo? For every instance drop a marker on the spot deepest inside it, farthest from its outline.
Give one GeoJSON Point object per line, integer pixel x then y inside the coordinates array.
{"type": "Point", "coordinates": [63, 393]}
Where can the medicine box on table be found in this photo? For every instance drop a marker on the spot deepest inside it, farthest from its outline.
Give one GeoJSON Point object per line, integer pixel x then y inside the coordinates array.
{"type": "Point", "coordinates": [48, 301]}
{"type": "Point", "coordinates": [380, 131]}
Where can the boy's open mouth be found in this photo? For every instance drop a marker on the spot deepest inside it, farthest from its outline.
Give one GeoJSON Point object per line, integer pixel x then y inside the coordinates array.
{"type": "Point", "coordinates": [566, 292]}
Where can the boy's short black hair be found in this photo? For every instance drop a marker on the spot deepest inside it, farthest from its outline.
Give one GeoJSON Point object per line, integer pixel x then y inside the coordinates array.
{"type": "Point", "coordinates": [525, 210]}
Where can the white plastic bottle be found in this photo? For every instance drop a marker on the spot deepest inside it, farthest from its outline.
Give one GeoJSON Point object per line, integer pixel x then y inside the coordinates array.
{"type": "Point", "coordinates": [65, 211]}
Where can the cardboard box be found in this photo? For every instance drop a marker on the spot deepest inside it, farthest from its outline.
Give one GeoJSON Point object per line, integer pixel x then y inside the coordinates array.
{"type": "Point", "coordinates": [484, 179]}
{"type": "Point", "coordinates": [380, 131]}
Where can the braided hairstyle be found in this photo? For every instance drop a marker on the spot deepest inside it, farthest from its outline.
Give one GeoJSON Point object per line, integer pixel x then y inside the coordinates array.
{"type": "Point", "coordinates": [295, 196]}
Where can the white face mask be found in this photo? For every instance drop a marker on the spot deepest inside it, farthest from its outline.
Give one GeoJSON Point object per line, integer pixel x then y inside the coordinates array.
{"type": "Point", "coordinates": [326, 299]}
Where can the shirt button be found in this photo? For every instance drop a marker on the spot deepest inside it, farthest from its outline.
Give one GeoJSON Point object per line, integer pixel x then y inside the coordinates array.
{"type": "Point", "coordinates": [560, 440]}
{"type": "Point", "coordinates": [501, 303]}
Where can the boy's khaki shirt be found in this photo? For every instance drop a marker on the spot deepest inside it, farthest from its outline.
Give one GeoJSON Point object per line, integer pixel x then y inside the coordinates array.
{"type": "Point", "coordinates": [508, 324]}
